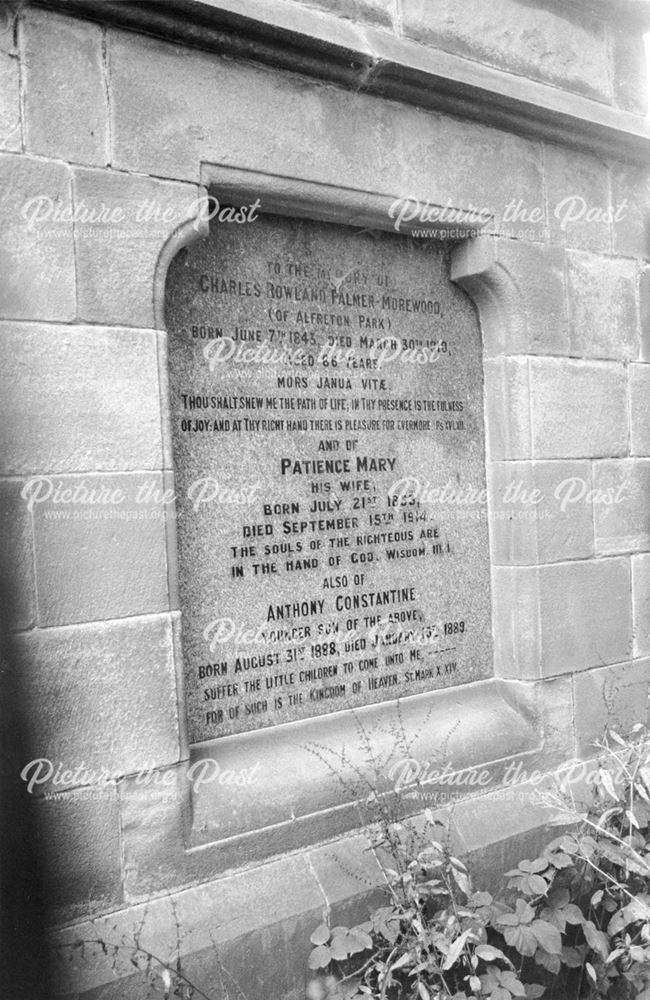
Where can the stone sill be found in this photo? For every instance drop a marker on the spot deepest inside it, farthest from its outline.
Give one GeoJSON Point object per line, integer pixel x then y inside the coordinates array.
{"type": "Point", "coordinates": [373, 61]}
{"type": "Point", "coordinates": [311, 777]}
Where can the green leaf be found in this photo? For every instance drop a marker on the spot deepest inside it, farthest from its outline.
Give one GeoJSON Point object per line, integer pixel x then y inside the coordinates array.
{"type": "Point", "coordinates": [511, 983]}
{"type": "Point", "coordinates": [339, 947]}
{"type": "Point", "coordinates": [490, 954]}
{"type": "Point", "coordinates": [423, 991]}
{"type": "Point", "coordinates": [548, 936]}
{"type": "Point", "coordinates": [596, 939]}
{"type": "Point", "coordinates": [456, 950]}
{"type": "Point", "coordinates": [321, 935]}
{"type": "Point", "coordinates": [320, 957]}
{"type": "Point", "coordinates": [521, 938]}
{"type": "Point", "coordinates": [591, 972]}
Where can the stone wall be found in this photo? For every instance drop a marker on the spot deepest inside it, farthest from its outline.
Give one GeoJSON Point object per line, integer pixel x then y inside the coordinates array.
{"type": "Point", "coordinates": [98, 121]}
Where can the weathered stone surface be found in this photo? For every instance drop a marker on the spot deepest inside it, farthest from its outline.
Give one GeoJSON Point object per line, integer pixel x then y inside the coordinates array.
{"type": "Point", "coordinates": [578, 196]}
{"type": "Point", "coordinates": [538, 41]}
{"type": "Point", "coordinates": [373, 11]}
{"type": "Point", "coordinates": [508, 428]}
{"type": "Point", "coordinates": [629, 70]}
{"type": "Point", "coordinates": [578, 409]}
{"type": "Point", "coordinates": [321, 452]}
{"type": "Point", "coordinates": [65, 113]}
{"type": "Point", "coordinates": [36, 255]}
{"type": "Point", "coordinates": [100, 553]}
{"type": "Point", "coordinates": [79, 836]}
{"type": "Point", "coordinates": [117, 255]}
{"type": "Point", "coordinates": [560, 618]}
{"type": "Point", "coordinates": [17, 567]}
{"type": "Point", "coordinates": [541, 512]}
{"type": "Point", "coordinates": [520, 294]}
{"type": "Point", "coordinates": [585, 615]}
{"type": "Point", "coordinates": [10, 124]}
{"type": "Point", "coordinates": [613, 697]}
{"type": "Point", "coordinates": [116, 681]}
{"type": "Point", "coordinates": [639, 410]}
{"type": "Point", "coordinates": [215, 111]}
{"type": "Point", "coordinates": [602, 307]}
{"type": "Point", "coordinates": [98, 399]}
{"type": "Point", "coordinates": [631, 202]}
{"type": "Point", "coordinates": [641, 601]}
{"type": "Point", "coordinates": [644, 308]}
{"type": "Point", "coordinates": [621, 510]}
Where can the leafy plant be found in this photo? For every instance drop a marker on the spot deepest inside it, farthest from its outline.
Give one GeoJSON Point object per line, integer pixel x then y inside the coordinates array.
{"type": "Point", "coordinates": [574, 922]}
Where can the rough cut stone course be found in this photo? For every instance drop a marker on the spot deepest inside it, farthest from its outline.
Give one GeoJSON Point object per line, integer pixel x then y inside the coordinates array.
{"type": "Point", "coordinates": [631, 203]}
{"type": "Point", "coordinates": [641, 600]}
{"type": "Point", "coordinates": [602, 307]}
{"type": "Point", "coordinates": [640, 409]}
{"type": "Point", "coordinates": [613, 697]}
{"type": "Point", "coordinates": [519, 289]}
{"type": "Point", "coordinates": [507, 421]}
{"type": "Point", "coordinates": [99, 678]}
{"type": "Point", "coordinates": [98, 399]}
{"type": "Point", "coordinates": [116, 275]}
{"type": "Point", "coordinates": [623, 524]}
{"type": "Point", "coordinates": [644, 307]}
{"type": "Point", "coordinates": [538, 41]}
{"type": "Point", "coordinates": [10, 125]}
{"type": "Point", "coordinates": [65, 112]}
{"type": "Point", "coordinates": [217, 111]}
{"type": "Point", "coordinates": [101, 560]}
{"type": "Point", "coordinates": [36, 257]}
{"type": "Point", "coordinates": [578, 199]}
{"type": "Point", "coordinates": [540, 512]}
{"type": "Point", "coordinates": [16, 547]}
{"type": "Point", "coordinates": [560, 618]}
{"type": "Point", "coordinates": [80, 840]}
{"type": "Point", "coordinates": [585, 615]}
{"type": "Point", "coordinates": [630, 70]}
{"type": "Point", "coordinates": [373, 11]}
{"type": "Point", "coordinates": [578, 409]}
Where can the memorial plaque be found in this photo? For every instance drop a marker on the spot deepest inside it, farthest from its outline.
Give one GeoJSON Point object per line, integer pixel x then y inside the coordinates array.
{"type": "Point", "coordinates": [327, 418]}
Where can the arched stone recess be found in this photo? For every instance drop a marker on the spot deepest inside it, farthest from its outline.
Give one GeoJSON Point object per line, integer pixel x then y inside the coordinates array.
{"type": "Point", "coordinates": [312, 768]}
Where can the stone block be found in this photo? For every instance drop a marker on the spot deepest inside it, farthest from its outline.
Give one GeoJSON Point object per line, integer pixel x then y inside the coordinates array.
{"type": "Point", "coordinates": [629, 70]}
{"type": "Point", "coordinates": [10, 122]}
{"type": "Point", "coordinates": [114, 684]}
{"type": "Point", "coordinates": [538, 41]}
{"type": "Point", "coordinates": [78, 398]}
{"type": "Point", "coordinates": [560, 618]}
{"type": "Point", "coordinates": [8, 24]}
{"type": "Point", "coordinates": [640, 409]}
{"type": "Point", "coordinates": [79, 837]}
{"type": "Point", "coordinates": [346, 868]}
{"type": "Point", "coordinates": [216, 111]}
{"type": "Point", "coordinates": [65, 112]}
{"type": "Point", "coordinates": [578, 409]}
{"type": "Point", "coordinates": [116, 274]}
{"type": "Point", "coordinates": [603, 320]}
{"type": "Point", "coordinates": [631, 203]}
{"type": "Point", "coordinates": [641, 604]}
{"type": "Point", "coordinates": [100, 547]}
{"type": "Point", "coordinates": [515, 622]}
{"type": "Point", "coordinates": [579, 208]}
{"type": "Point", "coordinates": [519, 291]}
{"type": "Point", "coordinates": [16, 546]}
{"type": "Point", "coordinates": [36, 255]}
{"type": "Point", "coordinates": [622, 505]}
{"type": "Point", "coordinates": [540, 512]}
{"type": "Point", "coordinates": [380, 12]}
{"type": "Point", "coordinates": [644, 309]}
{"type": "Point", "coordinates": [585, 615]}
{"type": "Point", "coordinates": [613, 697]}
{"type": "Point", "coordinates": [508, 429]}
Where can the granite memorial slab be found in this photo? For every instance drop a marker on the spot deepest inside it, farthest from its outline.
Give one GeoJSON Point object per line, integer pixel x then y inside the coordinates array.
{"type": "Point", "coordinates": [327, 423]}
